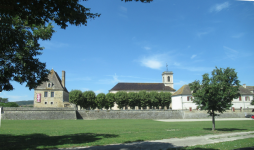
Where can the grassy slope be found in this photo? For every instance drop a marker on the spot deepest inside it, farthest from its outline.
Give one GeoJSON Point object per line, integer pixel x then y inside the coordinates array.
{"type": "Point", "coordinates": [31, 134]}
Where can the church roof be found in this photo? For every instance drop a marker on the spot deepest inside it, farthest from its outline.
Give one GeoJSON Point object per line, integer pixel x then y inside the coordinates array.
{"type": "Point", "coordinates": [55, 80]}
{"type": "Point", "coordinates": [141, 86]}
{"type": "Point", "coordinates": [184, 90]}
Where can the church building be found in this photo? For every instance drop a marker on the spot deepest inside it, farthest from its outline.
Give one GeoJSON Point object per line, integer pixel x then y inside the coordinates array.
{"type": "Point", "coordinates": [167, 85]}
{"type": "Point", "coordinates": [52, 93]}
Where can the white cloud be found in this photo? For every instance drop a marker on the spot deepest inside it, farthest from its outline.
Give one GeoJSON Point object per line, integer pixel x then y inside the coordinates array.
{"type": "Point", "coordinates": [238, 35]}
{"type": "Point", "coordinates": [110, 81]}
{"type": "Point", "coordinates": [200, 34]}
{"type": "Point", "coordinates": [193, 56]}
{"type": "Point", "coordinates": [98, 91]}
{"type": "Point", "coordinates": [123, 9]}
{"type": "Point", "coordinates": [151, 62]}
{"type": "Point", "coordinates": [231, 53]}
{"type": "Point", "coordinates": [219, 7]}
{"type": "Point", "coordinates": [147, 48]}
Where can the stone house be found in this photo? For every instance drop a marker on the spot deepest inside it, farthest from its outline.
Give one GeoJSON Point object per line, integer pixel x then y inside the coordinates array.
{"type": "Point", "coordinates": [166, 86]}
{"type": "Point", "coordinates": [183, 99]}
{"type": "Point", "coordinates": [52, 93]}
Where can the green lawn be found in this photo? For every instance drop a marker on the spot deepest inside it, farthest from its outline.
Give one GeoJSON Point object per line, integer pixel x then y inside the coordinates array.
{"type": "Point", "coordinates": [222, 146]}
{"type": "Point", "coordinates": [41, 134]}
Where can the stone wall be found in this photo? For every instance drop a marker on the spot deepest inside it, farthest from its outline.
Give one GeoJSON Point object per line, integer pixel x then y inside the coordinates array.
{"type": "Point", "coordinates": [153, 114]}
{"type": "Point", "coordinates": [128, 114]}
{"type": "Point", "coordinates": [27, 113]}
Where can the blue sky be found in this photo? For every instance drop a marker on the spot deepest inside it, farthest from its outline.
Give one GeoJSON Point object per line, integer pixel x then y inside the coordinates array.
{"type": "Point", "coordinates": [133, 41]}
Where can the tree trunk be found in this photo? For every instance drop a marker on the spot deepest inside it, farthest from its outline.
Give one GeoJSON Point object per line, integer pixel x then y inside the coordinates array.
{"type": "Point", "coordinates": [213, 121]}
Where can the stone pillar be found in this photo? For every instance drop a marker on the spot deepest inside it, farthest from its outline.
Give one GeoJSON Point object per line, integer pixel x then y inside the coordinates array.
{"type": "Point", "coordinates": [136, 107]}
{"type": "Point", "coordinates": [159, 107]}
{"type": "Point", "coordinates": [78, 107]}
{"type": "Point", "coordinates": [165, 108]}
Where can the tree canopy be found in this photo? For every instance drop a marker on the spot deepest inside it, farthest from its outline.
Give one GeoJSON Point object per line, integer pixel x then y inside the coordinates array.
{"type": "Point", "coordinates": [216, 93]}
{"type": "Point", "coordinates": [23, 23]}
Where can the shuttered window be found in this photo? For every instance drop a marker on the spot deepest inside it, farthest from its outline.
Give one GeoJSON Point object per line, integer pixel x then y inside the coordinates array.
{"type": "Point", "coordinates": [240, 98]}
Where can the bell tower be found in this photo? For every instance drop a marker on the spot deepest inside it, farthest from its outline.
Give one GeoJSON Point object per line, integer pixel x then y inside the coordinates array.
{"type": "Point", "coordinates": [167, 78]}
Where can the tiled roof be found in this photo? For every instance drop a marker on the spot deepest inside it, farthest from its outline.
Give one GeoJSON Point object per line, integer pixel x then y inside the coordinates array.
{"type": "Point", "coordinates": [184, 90]}
{"type": "Point", "coordinates": [244, 91]}
{"type": "Point", "coordinates": [141, 86]}
{"type": "Point", "coordinates": [250, 88]}
{"type": "Point", "coordinates": [55, 79]}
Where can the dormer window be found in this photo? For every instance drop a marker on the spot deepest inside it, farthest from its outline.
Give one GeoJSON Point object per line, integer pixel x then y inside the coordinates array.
{"type": "Point", "coordinates": [48, 84]}
{"type": "Point", "coordinates": [168, 79]}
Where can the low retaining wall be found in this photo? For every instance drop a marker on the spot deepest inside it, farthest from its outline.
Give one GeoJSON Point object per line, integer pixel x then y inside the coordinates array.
{"type": "Point", "coordinates": [27, 113]}
{"type": "Point", "coordinates": [126, 114]}
{"type": "Point", "coordinates": [153, 114]}
{"type": "Point", "coordinates": [203, 115]}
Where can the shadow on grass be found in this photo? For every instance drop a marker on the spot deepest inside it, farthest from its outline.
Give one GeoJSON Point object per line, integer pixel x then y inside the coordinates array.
{"type": "Point", "coordinates": [133, 141]}
{"type": "Point", "coordinates": [196, 148]}
{"type": "Point", "coordinates": [225, 129]}
{"type": "Point", "coordinates": [33, 141]}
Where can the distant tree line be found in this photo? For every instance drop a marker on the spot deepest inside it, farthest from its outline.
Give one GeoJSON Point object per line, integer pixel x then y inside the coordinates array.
{"type": "Point", "coordinates": [142, 99]}
{"type": "Point", "coordinates": [5, 103]}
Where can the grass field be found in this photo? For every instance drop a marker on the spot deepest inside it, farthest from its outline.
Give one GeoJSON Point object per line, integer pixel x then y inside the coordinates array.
{"type": "Point", "coordinates": [43, 134]}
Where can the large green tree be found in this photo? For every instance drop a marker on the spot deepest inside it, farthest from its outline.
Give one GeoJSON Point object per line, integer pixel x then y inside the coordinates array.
{"type": "Point", "coordinates": [110, 97]}
{"type": "Point", "coordinates": [121, 99]}
{"type": "Point", "coordinates": [155, 99]}
{"type": "Point", "coordinates": [133, 99]}
{"type": "Point", "coordinates": [23, 23]}
{"type": "Point", "coordinates": [90, 99]}
{"type": "Point", "coordinates": [76, 97]}
{"type": "Point", "coordinates": [101, 101]}
{"type": "Point", "coordinates": [216, 93]}
{"type": "Point", "coordinates": [165, 99]}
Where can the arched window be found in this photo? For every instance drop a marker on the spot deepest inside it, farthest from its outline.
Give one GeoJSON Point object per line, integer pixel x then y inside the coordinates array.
{"type": "Point", "coordinates": [168, 79]}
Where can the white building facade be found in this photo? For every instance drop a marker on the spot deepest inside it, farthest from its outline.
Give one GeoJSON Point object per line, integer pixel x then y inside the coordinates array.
{"type": "Point", "coordinates": [182, 99]}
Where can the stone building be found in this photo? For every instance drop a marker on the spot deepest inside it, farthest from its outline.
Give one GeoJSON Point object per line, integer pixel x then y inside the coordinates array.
{"type": "Point", "coordinates": [183, 99]}
{"type": "Point", "coordinates": [52, 93]}
{"type": "Point", "coordinates": [166, 86]}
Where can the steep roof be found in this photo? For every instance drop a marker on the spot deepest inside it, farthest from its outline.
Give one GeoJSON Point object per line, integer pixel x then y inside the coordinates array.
{"type": "Point", "coordinates": [141, 86]}
{"type": "Point", "coordinates": [244, 91]}
{"type": "Point", "coordinates": [55, 79]}
{"type": "Point", "coordinates": [184, 90]}
{"type": "Point", "coordinates": [250, 88]}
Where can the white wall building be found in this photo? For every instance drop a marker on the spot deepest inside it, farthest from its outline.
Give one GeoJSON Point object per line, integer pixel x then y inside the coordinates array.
{"type": "Point", "coordinates": [182, 99]}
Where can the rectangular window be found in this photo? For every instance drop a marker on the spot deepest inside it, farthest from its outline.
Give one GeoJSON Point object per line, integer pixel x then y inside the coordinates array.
{"type": "Point", "coordinates": [51, 103]}
{"type": "Point", "coordinates": [240, 98]}
{"type": "Point", "coordinates": [191, 98]}
{"type": "Point", "coordinates": [187, 98]}
{"type": "Point", "coordinates": [52, 94]}
{"type": "Point", "coordinates": [45, 103]}
{"type": "Point", "coordinates": [45, 94]}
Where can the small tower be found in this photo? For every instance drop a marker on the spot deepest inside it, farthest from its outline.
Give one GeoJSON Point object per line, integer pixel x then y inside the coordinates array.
{"type": "Point", "coordinates": [167, 78]}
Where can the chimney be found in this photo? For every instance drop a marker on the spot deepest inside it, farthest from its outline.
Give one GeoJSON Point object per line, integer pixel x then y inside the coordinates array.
{"type": "Point", "coordinates": [63, 78]}
{"type": "Point", "coordinates": [244, 85]}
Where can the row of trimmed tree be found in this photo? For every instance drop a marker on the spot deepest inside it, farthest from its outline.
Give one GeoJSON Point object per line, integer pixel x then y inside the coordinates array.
{"type": "Point", "coordinates": [142, 99]}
